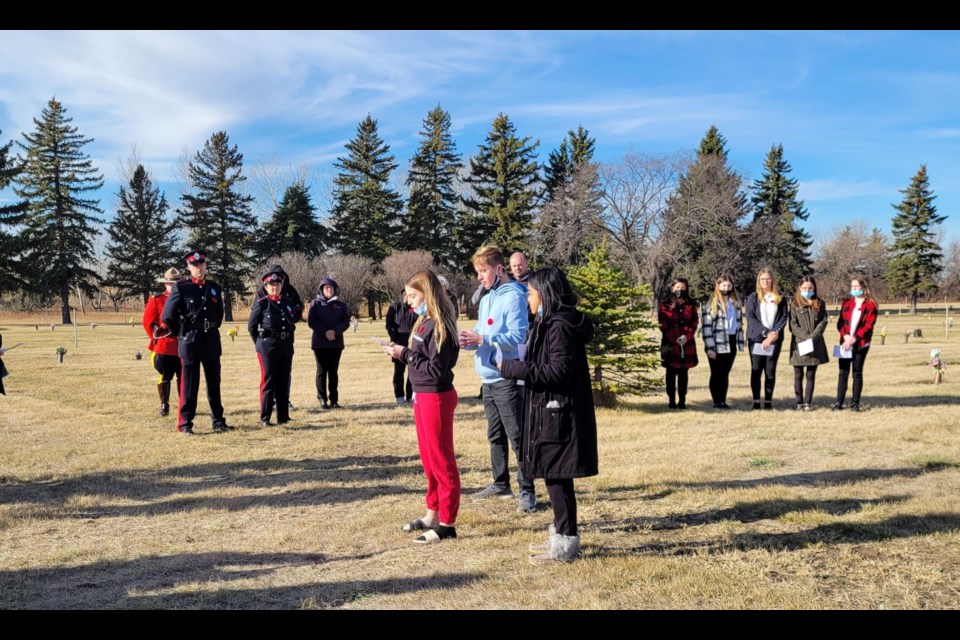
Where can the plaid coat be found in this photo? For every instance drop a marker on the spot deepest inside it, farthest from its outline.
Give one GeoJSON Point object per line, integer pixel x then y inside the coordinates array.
{"type": "Point", "coordinates": [713, 326]}
{"type": "Point", "coordinates": [868, 318]}
{"type": "Point", "coordinates": [677, 320]}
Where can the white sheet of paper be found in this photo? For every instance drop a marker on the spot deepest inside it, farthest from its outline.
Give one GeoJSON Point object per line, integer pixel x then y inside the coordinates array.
{"type": "Point", "coordinates": [805, 347]}
{"type": "Point", "coordinates": [758, 349]}
{"type": "Point", "coordinates": [840, 352]}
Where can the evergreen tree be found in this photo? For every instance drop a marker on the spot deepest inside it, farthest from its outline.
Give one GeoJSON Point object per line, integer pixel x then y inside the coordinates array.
{"type": "Point", "coordinates": [702, 232]}
{"type": "Point", "coordinates": [622, 354]}
{"type": "Point", "coordinates": [218, 216]}
{"type": "Point", "coordinates": [775, 239]}
{"type": "Point", "coordinates": [293, 228]}
{"type": "Point", "coordinates": [142, 238]}
{"type": "Point", "coordinates": [58, 228]}
{"type": "Point", "coordinates": [574, 150]}
{"type": "Point", "coordinates": [570, 223]}
{"type": "Point", "coordinates": [506, 189]}
{"type": "Point", "coordinates": [10, 216]}
{"type": "Point", "coordinates": [366, 210]}
{"type": "Point", "coordinates": [713, 144]}
{"type": "Point", "coordinates": [916, 258]}
{"type": "Point", "coordinates": [432, 207]}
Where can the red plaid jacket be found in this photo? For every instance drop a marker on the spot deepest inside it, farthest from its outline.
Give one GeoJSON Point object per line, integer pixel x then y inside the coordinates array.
{"type": "Point", "coordinates": [868, 318]}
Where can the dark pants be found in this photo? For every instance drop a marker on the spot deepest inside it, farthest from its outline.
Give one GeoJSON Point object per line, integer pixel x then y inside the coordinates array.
{"type": "Point", "coordinates": [856, 362]}
{"type": "Point", "coordinates": [720, 372]}
{"type": "Point", "coordinates": [166, 366]}
{"type": "Point", "coordinates": [328, 366]}
{"type": "Point", "coordinates": [275, 383]}
{"type": "Point", "coordinates": [564, 503]}
{"type": "Point", "coordinates": [190, 388]}
{"type": "Point", "coordinates": [677, 383]}
{"type": "Point", "coordinates": [399, 367]}
{"type": "Point", "coordinates": [764, 365]}
{"type": "Point", "coordinates": [798, 375]}
{"type": "Point", "coordinates": [502, 406]}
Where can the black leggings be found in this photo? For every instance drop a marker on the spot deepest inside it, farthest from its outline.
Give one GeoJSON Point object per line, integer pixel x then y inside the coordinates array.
{"type": "Point", "coordinates": [798, 383]}
{"type": "Point", "coordinates": [564, 503]}
{"type": "Point", "coordinates": [760, 365]}
{"type": "Point", "coordinates": [677, 382]}
{"type": "Point", "coordinates": [720, 372]}
{"type": "Point", "coordinates": [859, 356]}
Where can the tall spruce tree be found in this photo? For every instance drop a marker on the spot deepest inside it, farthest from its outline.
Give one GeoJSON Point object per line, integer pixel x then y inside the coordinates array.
{"type": "Point", "coordinates": [429, 223]}
{"type": "Point", "coordinates": [702, 228]}
{"type": "Point", "coordinates": [623, 354]}
{"type": "Point", "coordinates": [142, 237]}
{"type": "Point", "coordinates": [776, 239]}
{"type": "Point", "coordinates": [218, 217]}
{"type": "Point", "coordinates": [11, 215]}
{"type": "Point", "coordinates": [58, 228]}
{"type": "Point", "coordinates": [504, 178]}
{"type": "Point", "coordinates": [294, 227]}
{"type": "Point", "coordinates": [916, 258]}
{"type": "Point", "coordinates": [574, 150]}
{"type": "Point", "coordinates": [366, 210]}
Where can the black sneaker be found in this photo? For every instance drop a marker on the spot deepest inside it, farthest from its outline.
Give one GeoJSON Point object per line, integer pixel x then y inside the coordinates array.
{"type": "Point", "coordinates": [187, 431]}
{"type": "Point", "coordinates": [854, 407]}
{"type": "Point", "coordinates": [837, 407]}
{"type": "Point", "coordinates": [334, 405]}
{"type": "Point", "coordinates": [265, 423]}
{"type": "Point", "coordinates": [324, 406]}
{"type": "Point", "coordinates": [222, 427]}
{"type": "Point", "coordinates": [723, 405]}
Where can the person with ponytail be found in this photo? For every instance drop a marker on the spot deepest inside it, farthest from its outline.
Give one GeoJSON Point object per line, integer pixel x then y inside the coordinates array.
{"type": "Point", "coordinates": [721, 321]}
{"type": "Point", "coordinates": [430, 359]}
{"type": "Point", "coordinates": [767, 317]}
{"type": "Point", "coordinates": [858, 315]}
{"type": "Point", "coordinates": [679, 317]}
{"type": "Point", "coordinates": [808, 349]}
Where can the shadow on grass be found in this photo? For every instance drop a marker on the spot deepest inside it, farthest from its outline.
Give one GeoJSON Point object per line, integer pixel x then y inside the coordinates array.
{"type": "Point", "coordinates": [869, 402]}
{"type": "Point", "coordinates": [744, 512]}
{"type": "Point", "coordinates": [811, 479]}
{"type": "Point", "coordinates": [168, 582]}
{"type": "Point", "coordinates": [835, 533]}
{"type": "Point", "coordinates": [339, 480]}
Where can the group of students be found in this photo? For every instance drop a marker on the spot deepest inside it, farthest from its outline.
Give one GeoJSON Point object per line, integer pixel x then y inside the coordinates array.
{"type": "Point", "coordinates": [536, 383]}
{"type": "Point", "coordinates": [724, 321]}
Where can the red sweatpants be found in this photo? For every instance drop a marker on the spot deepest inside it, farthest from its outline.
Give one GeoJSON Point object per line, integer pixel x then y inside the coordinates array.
{"type": "Point", "coordinates": [433, 413]}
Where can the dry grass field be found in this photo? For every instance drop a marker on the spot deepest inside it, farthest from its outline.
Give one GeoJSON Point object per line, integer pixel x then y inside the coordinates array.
{"type": "Point", "coordinates": [104, 506]}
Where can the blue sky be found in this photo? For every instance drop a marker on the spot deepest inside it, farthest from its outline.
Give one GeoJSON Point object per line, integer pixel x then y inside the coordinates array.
{"type": "Point", "coordinates": [857, 112]}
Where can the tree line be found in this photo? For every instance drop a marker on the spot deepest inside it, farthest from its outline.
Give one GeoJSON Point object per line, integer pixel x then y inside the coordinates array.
{"type": "Point", "coordinates": [655, 216]}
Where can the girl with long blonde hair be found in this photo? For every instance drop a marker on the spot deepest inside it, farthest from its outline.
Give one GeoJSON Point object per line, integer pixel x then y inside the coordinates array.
{"type": "Point", "coordinates": [431, 357]}
{"type": "Point", "coordinates": [721, 322]}
{"type": "Point", "coordinates": [767, 316]}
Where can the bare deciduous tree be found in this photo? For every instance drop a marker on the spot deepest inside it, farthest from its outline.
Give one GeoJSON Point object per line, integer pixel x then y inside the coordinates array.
{"type": "Point", "coordinates": [353, 273]}
{"type": "Point", "coordinates": [397, 268]}
{"type": "Point", "coordinates": [571, 224]}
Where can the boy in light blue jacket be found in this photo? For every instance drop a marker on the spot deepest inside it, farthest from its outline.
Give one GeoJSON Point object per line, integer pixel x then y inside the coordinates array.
{"type": "Point", "coordinates": [501, 327]}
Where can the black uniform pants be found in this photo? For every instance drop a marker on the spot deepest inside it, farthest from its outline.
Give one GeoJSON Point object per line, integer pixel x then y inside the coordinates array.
{"type": "Point", "coordinates": [190, 388]}
{"type": "Point", "coordinates": [275, 368]}
{"type": "Point", "coordinates": [765, 366]}
{"type": "Point", "coordinates": [328, 366]}
{"type": "Point", "coordinates": [166, 366]}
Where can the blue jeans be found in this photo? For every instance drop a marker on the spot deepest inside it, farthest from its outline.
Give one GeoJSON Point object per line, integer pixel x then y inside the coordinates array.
{"type": "Point", "coordinates": [502, 403]}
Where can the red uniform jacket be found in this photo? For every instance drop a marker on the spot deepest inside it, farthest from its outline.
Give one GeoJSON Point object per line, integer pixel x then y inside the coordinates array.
{"type": "Point", "coordinates": [153, 325]}
{"type": "Point", "coordinates": [868, 318]}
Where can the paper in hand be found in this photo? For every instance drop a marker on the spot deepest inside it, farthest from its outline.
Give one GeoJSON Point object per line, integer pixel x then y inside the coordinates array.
{"type": "Point", "coordinates": [805, 347]}
{"type": "Point", "coordinates": [758, 349]}
{"type": "Point", "coordinates": [380, 341]}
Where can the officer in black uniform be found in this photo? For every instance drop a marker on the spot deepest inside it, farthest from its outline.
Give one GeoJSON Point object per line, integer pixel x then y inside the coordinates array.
{"type": "Point", "coordinates": [194, 312]}
{"type": "Point", "coordinates": [271, 327]}
{"type": "Point", "coordinates": [289, 296]}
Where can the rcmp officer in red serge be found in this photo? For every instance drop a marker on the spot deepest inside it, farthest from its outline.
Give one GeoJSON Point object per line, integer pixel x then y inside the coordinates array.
{"type": "Point", "coordinates": [194, 312]}
{"type": "Point", "coordinates": [163, 342]}
{"type": "Point", "coordinates": [271, 326]}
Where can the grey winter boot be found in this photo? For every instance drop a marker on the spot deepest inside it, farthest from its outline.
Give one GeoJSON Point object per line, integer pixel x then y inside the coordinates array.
{"type": "Point", "coordinates": [562, 549]}
{"type": "Point", "coordinates": [543, 547]}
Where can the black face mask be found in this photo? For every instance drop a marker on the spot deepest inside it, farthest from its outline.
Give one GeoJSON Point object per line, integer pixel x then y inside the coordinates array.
{"type": "Point", "coordinates": [725, 294]}
{"type": "Point", "coordinates": [680, 294]}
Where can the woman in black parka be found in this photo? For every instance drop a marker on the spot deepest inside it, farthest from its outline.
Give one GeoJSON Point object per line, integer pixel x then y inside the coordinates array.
{"type": "Point", "coordinates": [558, 441]}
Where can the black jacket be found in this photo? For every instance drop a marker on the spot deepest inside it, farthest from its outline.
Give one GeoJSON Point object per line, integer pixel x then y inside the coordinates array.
{"type": "Point", "coordinates": [271, 325]}
{"type": "Point", "coordinates": [324, 316]}
{"type": "Point", "coordinates": [399, 322]}
{"type": "Point", "coordinates": [431, 371]}
{"type": "Point", "coordinates": [756, 332]}
{"type": "Point", "coordinates": [195, 313]}
{"type": "Point", "coordinates": [559, 435]}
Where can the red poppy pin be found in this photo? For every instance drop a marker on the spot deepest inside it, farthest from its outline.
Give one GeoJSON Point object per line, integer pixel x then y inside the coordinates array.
{"type": "Point", "coordinates": [489, 321]}
{"type": "Point", "coordinates": [420, 330]}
